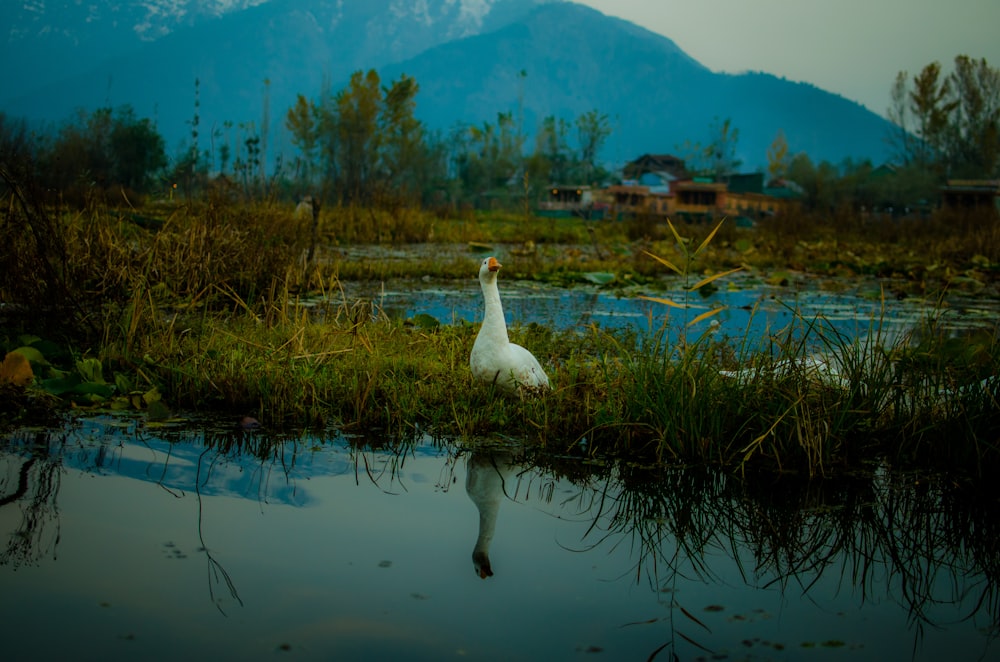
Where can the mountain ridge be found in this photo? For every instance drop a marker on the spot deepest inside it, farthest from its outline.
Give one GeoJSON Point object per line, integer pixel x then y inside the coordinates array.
{"type": "Point", "coordinates": [576, 60]}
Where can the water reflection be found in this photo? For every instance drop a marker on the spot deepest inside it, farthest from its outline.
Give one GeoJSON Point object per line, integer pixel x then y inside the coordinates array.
{"type": "Point", "coordinates": [927, 543]}
{"type": "Point", "coordinates": [336, 545]}
{"type": "Point", "coordinates": [488, 483]}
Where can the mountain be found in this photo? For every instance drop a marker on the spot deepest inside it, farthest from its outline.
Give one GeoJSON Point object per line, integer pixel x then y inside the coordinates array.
{"type": "Point", "coordinates": [576, 59]}
{"type": "Point", "coordinates": [57, 39]}
{"type": "Point", "coordinates": [471, 59]}
{"type": "Point", "coordinates": [297, 46]}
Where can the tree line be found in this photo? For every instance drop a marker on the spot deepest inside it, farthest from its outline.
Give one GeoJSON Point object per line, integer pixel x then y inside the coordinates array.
{"type": "Point", "coordinates": [364, 145]}
{"type": "Point", "coordinates": [948, 124]}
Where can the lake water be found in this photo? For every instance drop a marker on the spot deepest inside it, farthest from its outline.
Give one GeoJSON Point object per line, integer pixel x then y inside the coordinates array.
{"type": "Point", "coordinates": [748, 308]}
{"type": "Point", "coordinates": [123, 541]}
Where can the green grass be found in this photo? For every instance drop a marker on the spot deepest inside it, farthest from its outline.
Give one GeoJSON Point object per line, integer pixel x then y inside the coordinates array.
{"type": "Point", "coordinates": [620, 393]}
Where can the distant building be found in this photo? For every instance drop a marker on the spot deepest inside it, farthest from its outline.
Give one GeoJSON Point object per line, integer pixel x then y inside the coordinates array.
{"type": "Point", "coordinates": [633, 199]}
{"type": "Point", "coordinates": [565, 201]}
{"type": "Point", "coordinates": [656, 169]}
{"type": "Point", "coordinates": [660, 185]}
{"type": "Point", "coordinates": [971, 194]}
{"type": "Point", "coordinates": [699, 199]}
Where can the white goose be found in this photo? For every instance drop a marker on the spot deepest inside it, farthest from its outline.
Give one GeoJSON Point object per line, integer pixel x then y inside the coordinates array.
{"type": "Point", "coordinates": [494, 357]}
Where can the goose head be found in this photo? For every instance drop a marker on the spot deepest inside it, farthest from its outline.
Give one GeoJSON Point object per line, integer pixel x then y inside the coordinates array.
{"type": "Point", "coordinates": [488, 270]}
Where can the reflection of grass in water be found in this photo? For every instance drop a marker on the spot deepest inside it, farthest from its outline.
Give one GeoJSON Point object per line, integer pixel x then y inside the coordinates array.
{"type": "Point", "coordinates": [925, 542]}
{"type": "Point", "coordinates": [33, 482]}
{"type": "Point", "coordinates": [929, 542]}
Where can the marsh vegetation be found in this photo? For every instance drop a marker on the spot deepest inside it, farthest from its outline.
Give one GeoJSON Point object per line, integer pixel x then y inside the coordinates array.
{"type": "Point", "coordinates": [214, 307]}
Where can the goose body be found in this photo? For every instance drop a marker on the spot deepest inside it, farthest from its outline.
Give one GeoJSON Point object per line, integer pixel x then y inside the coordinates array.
{"type": "Point", "coordinates": [494, 357]}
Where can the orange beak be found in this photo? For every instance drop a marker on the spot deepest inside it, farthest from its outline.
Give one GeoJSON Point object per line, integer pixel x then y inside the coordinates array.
{"type": "Point", "coordinates": [493, 265]}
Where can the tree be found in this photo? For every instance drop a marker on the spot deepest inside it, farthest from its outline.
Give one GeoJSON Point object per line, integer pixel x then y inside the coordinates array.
{"type": "Point", "coordinates": [302, 123]}
{"type": "Point", "coordinates": [403, 151]}
{"type": "Point", "coordinates": [358, 135]}
{"type": "Point", "coordinates": [104, 150]}
{"type": "Point", "coordinates": [18, 151]}
{"type": "Point", "coordinates": [931, 105]}
{"type": "Point", "coordinates": [777, 156]}
{"type": "Point", "coordinates": [902, 138]}
{"type": "Point", "coordinates": [494, 154]}
{"type": "Point", "coordinates": [817, 182]}
{"type": "Point", "coordinates": [593, 130]}
{"type": "Point", "coordinates": [137, 151]}
{"type": "Point", "coordinates": [365, 140]}
{"type": "Point", "coordinates": [721, 152]}
{"type": "Point", "coordinates": [975, 127]}
{"type": "Point", "coordinates": [718, 158]}
{"type": "Point", "coordinates": [552, 151]}
{"type": "Point", "coordinates": [949, 124]}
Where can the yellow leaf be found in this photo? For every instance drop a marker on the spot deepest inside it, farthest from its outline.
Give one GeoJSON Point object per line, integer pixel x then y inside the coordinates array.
{"type": "Point", "coordinates": [665, 263]}
{"type": "Point", "coordinates": [666, 302]}
{"type": "Point", "coordinates": [706, 315]}
{"type": "Point", "coordinates": [708, 280]}
{"type": "Point", "coordinates": [16, 370]}
{"type": "Point", "coordinates": [680, 240]}
{"type": "Point", "coordinates": [709, 237]}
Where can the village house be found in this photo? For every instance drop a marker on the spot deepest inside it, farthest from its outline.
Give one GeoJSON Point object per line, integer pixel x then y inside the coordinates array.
{"type": "Point", "coordinates": [633, 199]}
{"type": "Point", "coordinates": [566, 201]}
{"type": "Point", "coordinates": [655, 169]}
{"type": "Point", "coordinates": [971, 194]}
{"type": "Point", "coordinates": [659, 186]}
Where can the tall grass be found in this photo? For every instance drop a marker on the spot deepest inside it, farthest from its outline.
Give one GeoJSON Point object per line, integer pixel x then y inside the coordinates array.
{"type": "Point", "coordinates": [202, 304]}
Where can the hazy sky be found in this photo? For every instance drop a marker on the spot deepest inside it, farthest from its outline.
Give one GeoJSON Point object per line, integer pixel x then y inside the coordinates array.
{"type": "Point", "coordinates": [853, 48]}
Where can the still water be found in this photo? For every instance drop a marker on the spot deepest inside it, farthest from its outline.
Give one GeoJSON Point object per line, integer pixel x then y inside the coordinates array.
{"type": "Point", "coordinates": [122, 541]}
{"type": "Point", "coordinates": [746, 308]}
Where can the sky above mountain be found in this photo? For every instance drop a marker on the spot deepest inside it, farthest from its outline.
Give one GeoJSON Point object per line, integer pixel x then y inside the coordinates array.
{"type": "Point", "coordinates": [853, 48]}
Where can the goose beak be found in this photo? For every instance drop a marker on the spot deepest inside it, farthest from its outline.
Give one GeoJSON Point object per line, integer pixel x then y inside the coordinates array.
{"type": "Point", "coordinates": [493, 264]}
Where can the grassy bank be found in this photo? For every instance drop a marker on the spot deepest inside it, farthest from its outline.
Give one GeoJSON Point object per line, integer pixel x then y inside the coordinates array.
{"type": "Point", "coordinates": [186, 309]}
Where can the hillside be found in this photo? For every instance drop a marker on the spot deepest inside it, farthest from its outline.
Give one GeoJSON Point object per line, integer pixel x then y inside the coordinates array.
{"type": "Point", "coordinates": [576, 59]}
{"type": "Point", "coordinates": [469, 67]}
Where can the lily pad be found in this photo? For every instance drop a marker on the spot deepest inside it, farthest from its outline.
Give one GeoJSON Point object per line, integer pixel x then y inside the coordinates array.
{"type": "Point", "coordinates": [158, 411]}
{"type": "Point", "coordinates": [91, 370]}
{"type": "Point", "coordinates": [60, 385]}
{"type": "Point", "coordinates": [34, 356]}
{"type": "Point", "coordinates": [425, 321]}
{"type": "Point", "coordinates": [93, 389]}
{"type": "Point", "coordinates": [599, 277]}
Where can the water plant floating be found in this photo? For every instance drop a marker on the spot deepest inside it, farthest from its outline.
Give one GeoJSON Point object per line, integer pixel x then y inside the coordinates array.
{"type": "Point", "coordinates": [494, 358]}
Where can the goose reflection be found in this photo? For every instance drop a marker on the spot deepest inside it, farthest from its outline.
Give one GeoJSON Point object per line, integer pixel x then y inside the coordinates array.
{"type": "Point", "coordinates": [487, 481]}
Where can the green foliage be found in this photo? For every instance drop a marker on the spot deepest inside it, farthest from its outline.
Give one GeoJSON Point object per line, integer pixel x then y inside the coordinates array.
{"type": "Point", "coordinates": [370, 148]}
{"type": "Point", "coordinates": [104, 151]}
{"type": "Point", "coordinates": [949, 124]}
{"type": "Point", "coordinates": [717, 158]}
